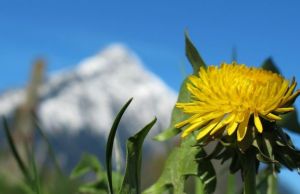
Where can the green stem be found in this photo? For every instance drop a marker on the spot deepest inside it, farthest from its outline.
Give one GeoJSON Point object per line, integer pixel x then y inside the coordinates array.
{"type": "Point", "coordinates": [199, 187]}
{"type": "Point", "coordinates": [272, 184]}
{"type": "Point", "coordinates": [249, 172]}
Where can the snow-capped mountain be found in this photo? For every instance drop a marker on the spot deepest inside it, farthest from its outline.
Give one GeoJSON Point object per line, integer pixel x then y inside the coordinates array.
{"type": "Point", "coordinates": [77, 106]}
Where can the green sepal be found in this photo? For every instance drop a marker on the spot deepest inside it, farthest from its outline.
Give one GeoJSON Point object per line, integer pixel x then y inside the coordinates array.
{"type": "Point", "coordinates": [290, 121]}
{"type": "Point", "coordinates": [248, 139]}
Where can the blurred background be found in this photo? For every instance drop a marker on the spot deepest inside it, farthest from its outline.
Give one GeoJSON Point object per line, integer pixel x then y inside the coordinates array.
{"type": "Point", "coordinates": [98, 54]}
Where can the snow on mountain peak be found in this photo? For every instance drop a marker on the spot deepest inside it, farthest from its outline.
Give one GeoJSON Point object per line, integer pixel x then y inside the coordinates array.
{"type": "Point", "coordinates": [90, 95]}
{"type": "Point", "coordinates": [77, 106]}
{"type": "Point", "coordinates": [113, 56]}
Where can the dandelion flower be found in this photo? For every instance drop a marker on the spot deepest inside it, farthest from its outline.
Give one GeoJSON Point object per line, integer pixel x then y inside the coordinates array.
{"type": "Point", "coordinates": [226, 99]}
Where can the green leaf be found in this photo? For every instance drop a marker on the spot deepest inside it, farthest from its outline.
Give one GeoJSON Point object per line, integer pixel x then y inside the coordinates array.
{"type": "Point", "coordinates": [193, 55]}
{"type": "Point", "coordinates": [186, 160]}
{"type": "Point", "coordinates": [36, 179]}
{"type": "Point", "coordinates": [269, 64]}
{"type": "Point", "coordinates": [88, 163]}
{"type": "Point", "coordinates": [131, 182]}
{"type": "Point", "coordinates": [184, 95]}
{"type": "Point", "coordinates": [290, 121]}
{"type": "Point", "coordinates": [167, 134]}
{"type": "Point", "coordinates": [110, 142]}
{"type": "Point", "coordinates": [177, 115]}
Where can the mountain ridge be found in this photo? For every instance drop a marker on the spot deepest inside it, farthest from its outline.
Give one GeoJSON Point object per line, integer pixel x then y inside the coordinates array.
{"type": "Point", "coordinates": [81, 103]}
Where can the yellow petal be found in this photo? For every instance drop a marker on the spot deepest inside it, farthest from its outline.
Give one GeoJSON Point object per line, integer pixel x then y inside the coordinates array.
{"type": "Point", "coordinates": [182, 124]}
{"type": "Point", "coordinates": [293, 97]}
{"type": "Point", "coordinates": [222, 123]}
{"type": "Point", "coordinates": [242, 129]}
{"type": "Point", "coordinates": [192, 127]}
{"type": "Point", "coordinates": [273, 117]}
{"type": "Point", "coordinates": [208, 128]}
{"type": "Point", "coordinates": [284, 110]}
{"type": "Point", "coordinates": [257, 123]}
{"type": "Point", "coordinates": [231, 127]}
{"type": "Point", "coordinates": [291, 88]}
{"type": "Point", "coordinates": [185, 122]}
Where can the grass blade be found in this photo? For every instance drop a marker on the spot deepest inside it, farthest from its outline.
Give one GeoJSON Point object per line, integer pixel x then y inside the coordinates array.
{"type": "Point", "coordinates": [51, 152]}
{"type": "Point", "coordinates": [36, 180]}
{"type": "Point", "coordinates": [15, 152]}
{"type": "Point", "coordinates": [110, 143]}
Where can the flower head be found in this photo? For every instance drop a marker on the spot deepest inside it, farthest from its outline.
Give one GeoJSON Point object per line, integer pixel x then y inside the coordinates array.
{"type": "Point", "coordinates": [229, 97]}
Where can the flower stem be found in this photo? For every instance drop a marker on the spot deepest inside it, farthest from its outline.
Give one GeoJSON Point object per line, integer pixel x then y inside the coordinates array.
{"type": "Point", "coordinates": [249, 172]}
{"type": "Point", "coordinates": [272, 184]}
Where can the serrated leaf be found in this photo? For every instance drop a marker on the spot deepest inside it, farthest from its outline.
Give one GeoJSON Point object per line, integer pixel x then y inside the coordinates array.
{"type": "Point", "coordinates": [110, 143]}
{"type": "Point", "coordinates": [269, 64]}
{"type": "Point", "coordinates": [193, 55]}
{"type": "Point", "coordinates": [88, 163]}
{"type": "Point", "coordinates": [177, 115]}
{"type": "Point", "coordinates": [182, 163]}
{"type": "Point", "coordinates": [131, 182]}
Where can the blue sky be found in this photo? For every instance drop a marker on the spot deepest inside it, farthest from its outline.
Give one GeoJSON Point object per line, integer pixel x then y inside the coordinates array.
{"type": "Point", "coordinates": [66, 32]}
